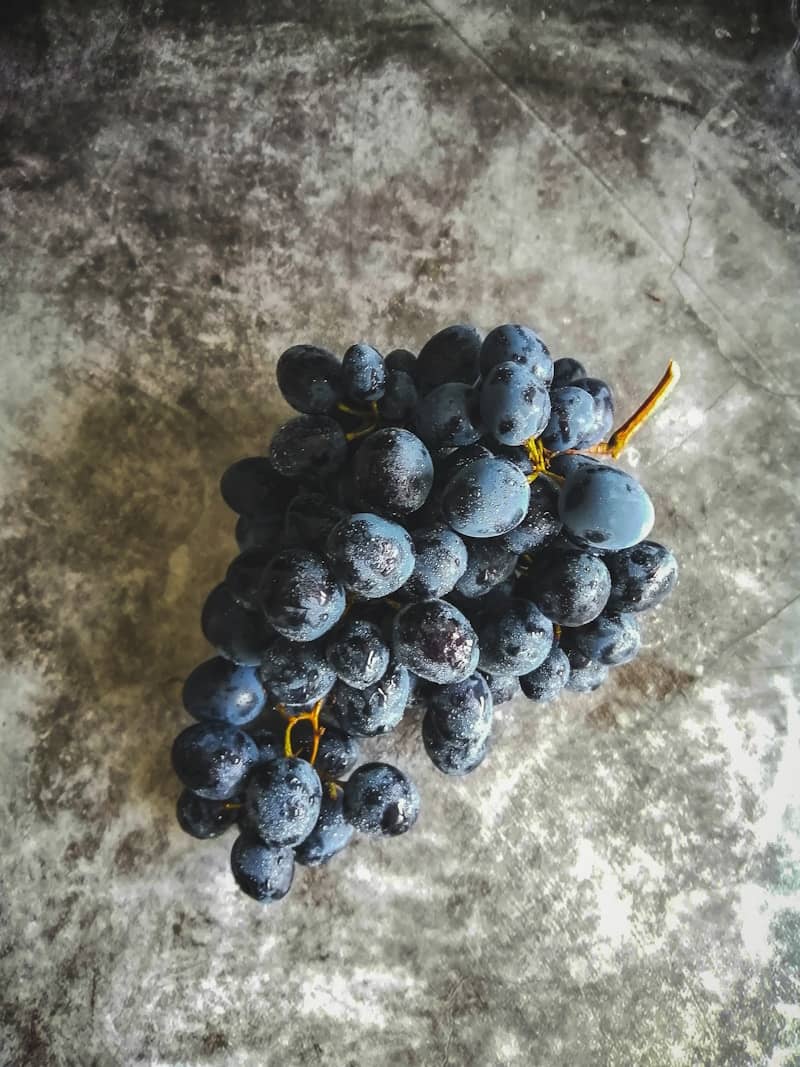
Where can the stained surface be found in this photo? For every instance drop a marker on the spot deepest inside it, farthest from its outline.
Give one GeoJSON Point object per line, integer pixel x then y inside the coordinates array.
{"type": "Point", "coordinates": [185, 190]}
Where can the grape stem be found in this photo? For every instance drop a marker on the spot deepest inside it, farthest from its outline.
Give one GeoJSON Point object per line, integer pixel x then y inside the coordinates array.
{"type": "Point", "coordinates": [305, 716]}
{"type": "Point", "coordinates": [371, 414]}
{"type": "Point", "coordinates": [621, 436]}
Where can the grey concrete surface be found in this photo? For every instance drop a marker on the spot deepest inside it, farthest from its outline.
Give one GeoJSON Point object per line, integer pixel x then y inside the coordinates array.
{"type": "Point", "coordinates": [185, 189]}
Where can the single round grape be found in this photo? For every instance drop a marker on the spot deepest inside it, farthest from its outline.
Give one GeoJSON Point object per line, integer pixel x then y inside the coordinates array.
{"type": "Point", "coordinates": [570, 588]}
{"type": "Point", "coordinates": [296, 674]}
{"type": "Point", "coordinates": [604, 410]}
{"type": "Point", "coordinates": [331, 833]}
{"type": "Point", "coordinates": [220, 689]}
{"type": "Point", "coordinates": [518, 455]}
{"type": "Point", "coordinates": [371, 555]}
{"type": "Point", "coordinates": [393, 472]}
{"type": "Point", "coordinates": [641, 576]}
{"type": "Point", "coordinates": [252, 486]}
{"type": "Point", "coordinates": [566, 371]}
{"type": "Point", "coordinates": [236, 633]}
{"type": "Point", "coordinates": [282, 801]}
{"type": "Point", "coordinates": [399, 399]}
{"type": "Point", "coordinates": [514, 638]}
{"type": "Point", "coordinates": [462, 711]}
{"type": "Point", "coordinates": [300, 596]}
{"type": "Point", "coordinates": [486, 499]}
{"type": "Point", "coordinates": [517, 344]}
{"type": "Point", "coordinates": [451, 355]}
{"type": "Point", "coordinates": [204, 818]}
{"type": "Point", "coordinates": [572, 418]}
{"type": "Point", "coordinates": [358, 653]}
{"type": "Point", "coordinates": [503, 687]}
{"type": "Point", "coordinates": [449, 416]}
{"type": "Point", "coordinates": [585, 675]}
{"type": "Point", "coordinates": [453, 756]}
{"type": "Point", "coordinates": [244, 575]}
{"type": "Point", "coordinates": [374, 710]}
{"type": "Point", "coordinates": [310, 517]}
{"type": "Point", "coordinates": [212, 758]}
{"type": "Point", "coordinates": [441, 559]}
{"type": "Point", "coordinates": [270, 745]}
{"type": "Point", "coordinates": [403, 360]}
{"type": "Point", "coordinates": [605, 508]}
{"type": "Point", "coordinates": [514, 404]}
{"type": "Point", "coordinates": [259, 531]}
{"type": "Point", "coordinates": [338, 753]}
{"type": "Point", "coordinates": [363, 374]}
{"type": "Point", "coordinates": [610, 639]}
{"type": "Point", "coordinates": [448, 465]}
{"type": "Point", "coordinates": [546, 682]}
{"type": "Point", "coordinates": [567, 462]}
{"type": "Point", "coordinates": [309, 448]}
{"type": "Point", "coordinates": [489, 564]}
{"type": "Point", "coordinates": [380, 799]}
{"type": "Point", "coordinates": [310, 379]}
{"type": "Point", "coordinates": [261, 872]}
{"type": "Point", "coordinates": [541, 522]}
{"type": "Point", "coordinates": [434, 640]}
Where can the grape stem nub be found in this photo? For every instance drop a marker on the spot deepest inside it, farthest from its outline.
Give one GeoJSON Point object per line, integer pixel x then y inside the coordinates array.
{"type": "Point", "coordinates": [305, 716]}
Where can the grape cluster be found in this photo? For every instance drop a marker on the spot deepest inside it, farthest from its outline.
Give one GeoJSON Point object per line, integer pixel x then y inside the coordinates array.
{"type": "Point", "coordinates": [439, 530]}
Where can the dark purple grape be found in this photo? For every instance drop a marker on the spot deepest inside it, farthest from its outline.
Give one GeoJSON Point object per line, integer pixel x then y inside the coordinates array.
{"type": "Point", "coordinates": [441, 559]}
{"type": "Point", "coordinates": [585, 675]}
{"type": "Point", "coordinates": [282, 801]}
{"type": "Point", "coordinates": [449, 416]}
{"type": "Point", "coordinates": [570, 588]}
{"type": "Point", "coordinates": [204, 818]}
{"type": "Point", "coordinates": [338, 753]}
{"type": "Point", "coordinates": [236, 633]}
{"type": "Point", "coordinates": [604, 410]}
{"type": "Point", "coordinates": [310, 379]}
{"type": "Point", "coordinates": [541, 522]}
{"type": "Point", "coordinates": [641, 576]}
{"type": "Point", "coordinates": [515, 405]}
{"type": "Point", "coordinates": [572, 418]}
{"type": "Point", "coordinates": [309, 448]}
{"type": "Point", "coordinates": [546, 682]}
{"type": "Point", "coordinates": [262, 872]}
{"type": "Point", "coordinates": [380, 799]}
{"type": "Point", "coordinates": [503, 687]}
{"type": "Point", "coordinates": [489, 564]}
{"type": "Point", "coordinates": [462, 711]}
{"type": "Point", "coordinates": [605, 508]}
{"type": "Point", "coordinates": [486, 499]}
{"type": "Point", "coordinates": [244, 575]}
{"type": "Point", "coordinates": [363, 374]}
{"type": "Point", "coordinates": [517, 344]}
{"type": "Point", "coordinates": [332, 832]}
{"type": "Point", "coordinates": [609, 639]}
{"type": "Point", "coordinates": [399, 399]}
{"type": "Point", "coordinates": [221, 689]}
{"type": "Point", "coordinates": [296, 674]}
{"type": "Point", "coordinates": [371, 555]}
{"type": "Point", "coordinates": [451, 355]}
{"type": "Point", "coordinates": [566, 371]}
{"type": "Point", "coordinates": [403, 360]}
{"type": "Point", "coordinates": [252, 486]}
{"type": "Point", "coordinates": [309, 519]}
{"type": "Point", "coordinates": [259, 531]}
{"type": "Point", "coordinates": [453, 756]}
{"type": "Point", "coordinates": [434, 640]}
{"type": "Point", "coordinates": [393, 472]}
{"type": "Point", "coordinates": [212, 758]}
{"type": "Point", "coordinates": [300, 596]}
{"type": "Point", "coordinates": [514, 637]}
{"type": "Point", "coordinates": [375, 709]}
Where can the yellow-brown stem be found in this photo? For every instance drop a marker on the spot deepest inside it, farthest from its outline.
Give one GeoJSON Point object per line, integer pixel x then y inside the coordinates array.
{"type": "Point", "coordinates": [621, 436]}
{"type": "Point", "coordinates": [317, 730]}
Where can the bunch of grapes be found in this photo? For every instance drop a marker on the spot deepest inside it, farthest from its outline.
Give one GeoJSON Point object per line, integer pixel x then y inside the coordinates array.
{"type": "Point", "coordinates": [437, 530]}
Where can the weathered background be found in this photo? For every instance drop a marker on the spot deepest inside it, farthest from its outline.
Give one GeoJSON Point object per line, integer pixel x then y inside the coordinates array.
{"type": "Point", "coordinates": [185, 189]}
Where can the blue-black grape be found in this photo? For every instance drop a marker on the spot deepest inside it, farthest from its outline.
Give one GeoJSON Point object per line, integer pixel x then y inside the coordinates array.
{"type": "Point", "coordinates": [434, 640]}
{"type": "Point", "coordinates": [371, 555]}
{"type": "Point", "coordinates": [610, 639]}
{"type": "Point", "coordinates": [309, 519]}
{"type": "Point", "coordinates": [296, 674]}
{"type": "Point", "coordinates": [566, 371]}
{"type": "Point", "coordinates": [235, 632]}
{"type": "Point", "coordinates": [503, 687]}
{"type": "Point", "coordinates": [514, 404]}
{"type": "Point", "coordinates": [605, 508]}
{"type": "Point", "coordinates": [309, 448]}
{"type": "Point", "coordinates": [489, 564]}
{"type": "Point", "coordinates": [453, 756]}
{"type": "Point", "coordinates": [380, 799]}
{"type": "Point", "coordinates": [449, 416]}
{"type": "Point", "coordinates": [585, 674]}
{"type": "Point", "coordinates": [570, 588]}
{"type": "Point", "coordinates": [282, 801]}
{"type": "Point", "coordinates": [203, 818]}
{"type": "Point", "coordinates": [262, 872]}
{"type": "Point", "coordinates": [400, 397]}
{"type": "Point", "coordinates": [375, 709]}
{"type": "Point", "coordinates": [244, 575]}
{"type": "Point", "coordinates": [402, 359]}
{"type": "Point", "coordinates": [332, 832]}
{"type": "Point", "coordinates": [514, 637]}
{"type": "Point", "coordinates": [393, 472]}
{"type": "Point", "coordinates": [572, 418]}
{"type": "Point", "coordinates": [451, 355]}
{"type": "Point", "coordinates": [604, 410]}
{"type": "Point", "coordinates": [363, 374]}
{"type": "Point", "coordinates": [517, 344]}
{"type": "Point", "coordinates": [518, 455]}
{"type": "Point", "coordinates": [541, 522]}
{"type": "Point", "coordinates": [566, 462]}
{"type": "Point", "coordinates": [260, 531]}
{"type": "Point", "coordinates": [641, 577]}
{"type": "Point", "coordinates": [486, 499]}
{"type": "Point", "coordinates": [546, 682]}
{"type": "Point", "coordinates": [441, 559]}
{"type": "Point", "coordinates": [212, 758]}
{"type": "Point", "coordinates": [221, 689]}
{"type": "Point", "coordinates": [269, 743]}
{"type": "Point", "coordinates": [338, 753]}
{"type": "Point", "coordinates": [300, 596]}
{"type": "Point", "coordinates": [358, 652]}
{"type": "Point", "coordinates": [449, 463]}
{"type": "Point", "coordinates": [310, 379]}
{"type": "Point", "coordinates": [462, 711]}
{"type": "Point", "coordinates": [252, 486]}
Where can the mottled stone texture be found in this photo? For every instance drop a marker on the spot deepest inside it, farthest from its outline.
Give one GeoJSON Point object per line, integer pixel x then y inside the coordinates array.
{"type": "Point", "coordinates": [187, 187]}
